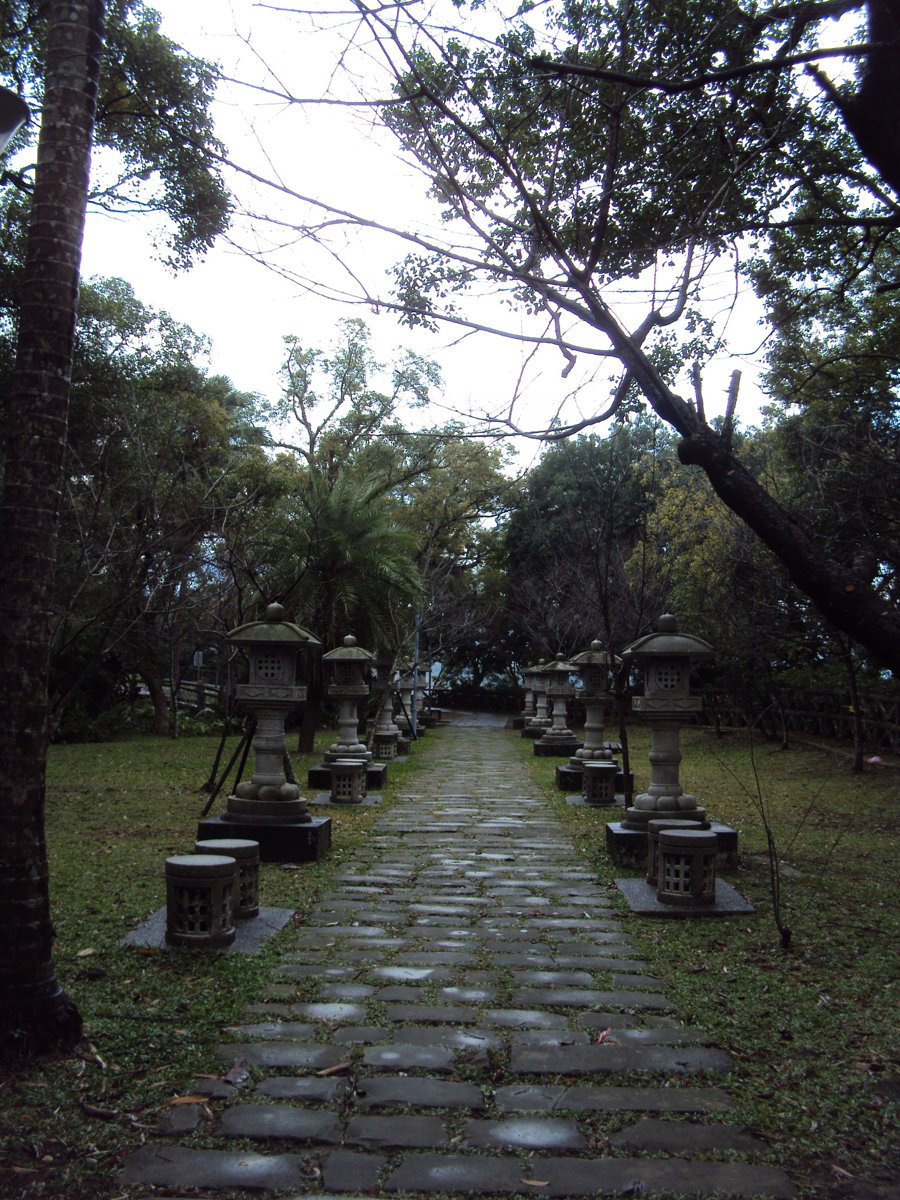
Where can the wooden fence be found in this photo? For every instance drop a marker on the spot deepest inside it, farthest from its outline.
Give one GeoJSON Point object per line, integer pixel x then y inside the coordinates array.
{"type": "Point", "coordinates": [823, 714]}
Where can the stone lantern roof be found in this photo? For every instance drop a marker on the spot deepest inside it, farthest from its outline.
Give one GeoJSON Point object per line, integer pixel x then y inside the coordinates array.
{"type": "Point", "coordinates": [595, 657]}
{"type": "Point", "coordinates": [667, 642]}
{"type": "Point", "coordinates": [349, 652]}
{"type": "Point", "coordinates": [274, 630]}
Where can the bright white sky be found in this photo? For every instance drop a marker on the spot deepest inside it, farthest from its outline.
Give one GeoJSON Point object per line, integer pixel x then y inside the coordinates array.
{"type": "Point", "coordinates": [331, 153]}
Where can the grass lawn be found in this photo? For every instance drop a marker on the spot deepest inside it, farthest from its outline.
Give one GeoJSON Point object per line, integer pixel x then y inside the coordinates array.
{"type": "Point", "coordinates": [812, 1028]}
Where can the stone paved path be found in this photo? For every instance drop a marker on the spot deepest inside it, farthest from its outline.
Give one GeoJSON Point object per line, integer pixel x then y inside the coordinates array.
{"type": "Point", "coordinates": [479, 1025]}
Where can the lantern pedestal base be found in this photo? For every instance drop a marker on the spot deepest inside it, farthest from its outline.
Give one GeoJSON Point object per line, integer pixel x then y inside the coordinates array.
{"type": "Point", "coordinates": [533, 731]}
{"type": "Point", "coordinates": [627, 846]}
{"type": "Point", "coordinates": [571, 777]}
{"type": "Point", "coordinates": [279, 841]}
{"type": "Point", "coordinates": [324, 798]}
{"type": "Point", "coordinates": [319, 777]}
{"type": "Point", "coordinates": [556, 747]}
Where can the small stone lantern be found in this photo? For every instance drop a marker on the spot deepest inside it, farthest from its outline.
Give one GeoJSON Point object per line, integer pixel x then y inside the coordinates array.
{"type": "Point", "coordinates": [267, 807]}
{"type": "Point", "coordinates": [348, 663]}
{"type": "Point", "coordinates": [666, 657]}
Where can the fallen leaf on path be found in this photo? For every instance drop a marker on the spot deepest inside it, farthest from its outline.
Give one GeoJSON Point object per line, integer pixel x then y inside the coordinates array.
{"type": "Point", "coordinates": [196, 1099]}
{"type": "Point", "coordinates": [535, 1182]}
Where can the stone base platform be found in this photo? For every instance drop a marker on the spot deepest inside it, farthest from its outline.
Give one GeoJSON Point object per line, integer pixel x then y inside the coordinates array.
{"type": "Point", "coordinates": [249, 936]}
{"type": "Point", "coordinates": [580, 802]}
{"type": "Point", "coordinates": [628, 847]}
{"type": "Point", "coordinates": [320, 776]}
{"type": "Point", "coordinates": [284, 841]}
{"type": "Point", "coordinates": [641, 897]}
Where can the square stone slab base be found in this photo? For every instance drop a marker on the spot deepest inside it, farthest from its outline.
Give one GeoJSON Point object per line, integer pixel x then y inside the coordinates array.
{"type": "Point", "coordinates": [641, 897]}
{"type": "Point", "coordinates": [249, 936]}
{"type": "Point", "coordinates": [286, 841]}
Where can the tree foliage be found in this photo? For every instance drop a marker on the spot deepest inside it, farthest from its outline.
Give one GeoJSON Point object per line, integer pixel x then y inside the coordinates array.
{"type": "Point", "coordinates": [155, 149]}
{"type": "Point", "coordinates": [580, 148]}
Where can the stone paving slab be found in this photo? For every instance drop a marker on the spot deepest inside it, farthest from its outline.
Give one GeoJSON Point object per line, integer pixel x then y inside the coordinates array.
{"type": "Point", "coordinates": [444, 1022]}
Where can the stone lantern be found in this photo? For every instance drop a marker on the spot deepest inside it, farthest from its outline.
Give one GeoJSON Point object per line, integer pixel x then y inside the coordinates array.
{"type": "Point", "coordinates": [540, 679]}
{"type": "Point", "coordinates": [348, 665]}
{"type": "Point", "coordinates": [558, 740]}
{"type": "Point", "coordinates": [267, 807]}
{"type": "Point", "coordinates": [667, 704]}
{"type": "Point", "coordinates": [386, 733]}
{"type": "Point", "coordinates": [528, 710]}
{"type": "Point", "coordinates": [596, 668]}
{"type": "Point", "coordinates": [666, 657]}
{"type": "Point", "coordinates": [406, 684]}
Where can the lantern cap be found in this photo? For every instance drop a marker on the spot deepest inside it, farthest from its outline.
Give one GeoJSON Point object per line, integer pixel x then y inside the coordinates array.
{"type": "Point", "coordinates": [274, 629]}
{"type": "Point", "coordinates": [667, 642]}
{"type": "Point", "coordinates": [597, 656]}
{"type": "Point", "coordinates": [348, 652]}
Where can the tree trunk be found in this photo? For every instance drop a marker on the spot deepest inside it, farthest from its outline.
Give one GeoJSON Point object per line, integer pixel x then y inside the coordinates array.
{"type": "Point", "coordinates": [35, 1014]}
{"type": "Point", "coordinates": [158, 699]}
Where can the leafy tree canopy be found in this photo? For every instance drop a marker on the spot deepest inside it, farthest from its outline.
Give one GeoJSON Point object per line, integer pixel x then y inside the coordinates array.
{"type": "Point", "coordinates": [155, 149]}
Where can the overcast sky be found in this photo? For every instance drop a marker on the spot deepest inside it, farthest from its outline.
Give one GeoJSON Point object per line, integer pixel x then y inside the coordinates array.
{"type": "Point", "coordinates": [331, 154]}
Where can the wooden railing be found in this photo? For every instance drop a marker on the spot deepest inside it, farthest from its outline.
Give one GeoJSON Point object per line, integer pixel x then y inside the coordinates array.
{"type": "Point", "coordinates": [818, 713]}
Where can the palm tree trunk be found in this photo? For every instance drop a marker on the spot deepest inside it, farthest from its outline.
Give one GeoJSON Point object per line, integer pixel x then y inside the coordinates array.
{"type": "Point", "coordinates": [35, 1014]}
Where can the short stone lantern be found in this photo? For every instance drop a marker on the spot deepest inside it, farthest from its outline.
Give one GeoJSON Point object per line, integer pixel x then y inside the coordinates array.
{"type": "Point", "coordinates": [348, 663]}
{"type": "Point", "coordinates": [558, 740]}
{"type": "Point", "coordinates": [267, 807]}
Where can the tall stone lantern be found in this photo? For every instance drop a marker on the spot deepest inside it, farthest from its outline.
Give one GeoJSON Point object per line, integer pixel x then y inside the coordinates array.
{"type": "Point", "coordinates": [267, 807]}
{"type": "Point", "coordinates": [666, 657]}
{"type": "Point", "coordinates": [528, 710]}
{"type": "Point", "coordinates": [536, 726]}
{"type": "Point", "coordinates": [407, 683]}
{"type": "Point", "coordinates": [558, 740]}
{"type": "Point", "coordinates": [386, 733]}
{"type": "Point", "coordinates": [596, 668]}
{"type": "Point", "coordinates": [348, 665]}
